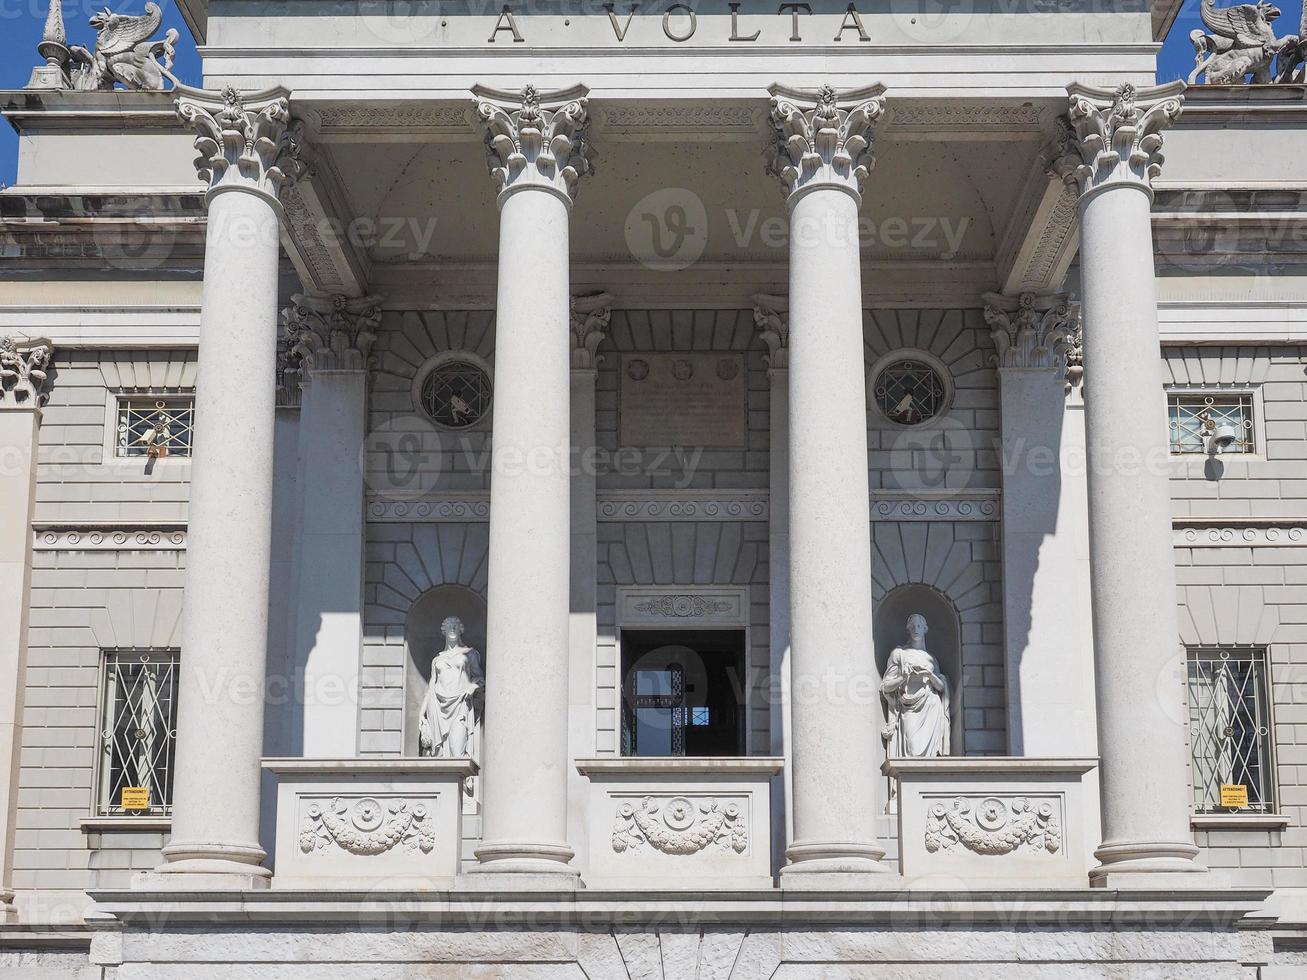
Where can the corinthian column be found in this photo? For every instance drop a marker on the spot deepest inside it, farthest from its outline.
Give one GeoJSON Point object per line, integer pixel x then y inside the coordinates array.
{"type": "Point", "coordinates": [248, 149]}
{"type": "Point", "coordinates": [24, 380]}
{"type": "Point", "coordinates": [332, 336]}
{"type": "Point", "coordinates": [823, 155]}
{"type": "Point", "coordinates": [537, 156]}
{"type": "Point", "coordinates": [1112, 154]}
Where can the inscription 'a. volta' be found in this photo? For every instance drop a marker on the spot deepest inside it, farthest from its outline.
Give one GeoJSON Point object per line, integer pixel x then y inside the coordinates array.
{"type": "Point", "coordinates": [682, 400]}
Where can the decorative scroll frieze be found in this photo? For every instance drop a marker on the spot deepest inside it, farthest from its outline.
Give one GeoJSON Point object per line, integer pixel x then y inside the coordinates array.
{"type": "Point", "coordinates": [682, 605]}
{"type": "Point", "coordinates": [366, 826]}
{"type": "Point", "coordinates": [683, 505]}
{"type": "Point", "coordinates": [24, 371]}
{"type": "Point", "coordinates": [589, 319]}
{"type": "Point", "coordinates": [994, 825]}
{"type": "Point", "coordinates": [535, 139]}
{"type": "Point", "coordinates": [1230, 536]}
{"type": "Point", "coordinates": [771, 317]}
{"type": "Point", "coordinates": [680, 825]}
{"type": "Point", "coordinates": [818, 143]}
{"type": "Point", "coordinates": [888, 505]}
{"type": "Point", "coordinates": [1031, 331]}
{"type": "Point", "coordinates": [452, 508]}
{"type": "Point", "coordinates": [110, 539]}
{"type": "Point", "coordinates": [1114, 137]}
{"type": "Point", "coordinates": [245, 142]}
{"type": "Point", "coordinates": [332, 333]}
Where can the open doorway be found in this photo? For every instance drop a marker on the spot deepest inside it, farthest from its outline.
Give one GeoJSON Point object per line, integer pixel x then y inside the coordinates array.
{"type": "Point", "coordinates": [683, 693]}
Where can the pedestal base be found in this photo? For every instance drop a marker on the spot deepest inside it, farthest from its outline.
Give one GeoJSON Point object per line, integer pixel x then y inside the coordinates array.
{"type": "Point", "coordinates": [833, 866]}
{"type": "Point", "coordinates": [1149, 865]}
{"type": "Point", "coordinates": [199, 881]}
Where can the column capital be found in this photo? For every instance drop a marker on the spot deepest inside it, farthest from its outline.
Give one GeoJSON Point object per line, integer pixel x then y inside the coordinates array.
{"type": "Point", "coordinates": [24, 372]}
{"type": "Point", "coordinates": [331, 333]}
{"type": "Point", "coordinates": [1112, 137]}
{"type": "Point", "coordinates": [290, 371]}
{"type": "Point", "coordinates": [1031, 331]}
{"type": "Point", "coordinates": [771, 318]}
{"type": "Point", "coordinates": [246, 141]}
{"type": "Point", "coordinates": [589, 318]}
{"type": "Point", "coordinates": [820, 144]}
{"type": "Point", "coordinates": [536, 139]}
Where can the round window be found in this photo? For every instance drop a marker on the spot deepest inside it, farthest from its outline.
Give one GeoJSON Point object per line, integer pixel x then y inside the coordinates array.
{"type": "Point", "coordinates": [909, 392]}
{"type": "Point", "coordinates": [456, 394]}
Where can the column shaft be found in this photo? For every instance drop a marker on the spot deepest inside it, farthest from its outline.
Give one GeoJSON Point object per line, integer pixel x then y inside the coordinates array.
{"type": "Point", "coordinates": [225, 627]}
{"type": "Point", "coordinates": [527, 632]}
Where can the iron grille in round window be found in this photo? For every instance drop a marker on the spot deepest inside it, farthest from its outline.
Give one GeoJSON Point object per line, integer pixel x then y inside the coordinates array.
{"type": "Point", "coordinates": [909, 392]}
{"type": "Point", "coordinates": [456, 394]}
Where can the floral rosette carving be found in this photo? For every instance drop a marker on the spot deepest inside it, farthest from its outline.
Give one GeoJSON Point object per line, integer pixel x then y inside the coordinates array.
{"type": "Point", "coordinates": [366, 827]}
{"type": "Point", "coordinates": [993, 826]}
{"type": "Point", "coordinates": [680, 826]}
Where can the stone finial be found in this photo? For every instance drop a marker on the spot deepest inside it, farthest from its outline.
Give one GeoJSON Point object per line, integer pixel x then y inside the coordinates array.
{"type": "Point", "coordinates": [1031, 330]}
{"type": "Point", "coordinates": [54, 49]}
{"type": "Point", "coordinates": [535, 139]}
{"type": "Point", "coordinates": [589, 315]}
{"type": "Point", "coordinates": [331, 333]}
{"type": "Point", "coordinates": [820, 144]}
{"type": "Point", "coordinates": [24, 371]}
{"type": "Point", "coordinates": [1118, 137]}
{"type": "Point", "coordinates": [771, 318]}
{"type": "Point", "coordinates": [246, 141]}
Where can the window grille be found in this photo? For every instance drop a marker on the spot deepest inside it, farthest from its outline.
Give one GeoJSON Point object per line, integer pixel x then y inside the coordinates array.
{"type": "Point", "coordinates": [138, 732]}
{"type": "Point", "coordinates": [1195, 416]}
{"type": "Point", "coordinates": [456, 394]}
{"type": "Point", "coordinates": [909, 392]}
{"type": "Point", "coordinates": [155, 427]}
{"type": "Point", "coordinates": [1230, 728]}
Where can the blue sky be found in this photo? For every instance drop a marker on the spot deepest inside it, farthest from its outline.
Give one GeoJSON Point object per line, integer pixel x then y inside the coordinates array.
{"type": "Point", "coordinates": [21, 22]}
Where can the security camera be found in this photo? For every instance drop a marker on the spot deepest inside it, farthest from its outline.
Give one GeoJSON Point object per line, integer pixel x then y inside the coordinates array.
{"type": "Point", "coordinates": [1222, 438]}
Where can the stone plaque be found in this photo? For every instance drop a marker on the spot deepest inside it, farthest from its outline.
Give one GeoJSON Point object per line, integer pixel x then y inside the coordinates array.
{"type": "Point", "coordinates": [682, 400]}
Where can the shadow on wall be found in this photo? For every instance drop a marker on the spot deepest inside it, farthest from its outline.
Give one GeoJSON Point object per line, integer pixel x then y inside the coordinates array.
{"type": "Point", "coordinates": [423, 640]}
{"type": "Point", "coordinates": [943, 640]}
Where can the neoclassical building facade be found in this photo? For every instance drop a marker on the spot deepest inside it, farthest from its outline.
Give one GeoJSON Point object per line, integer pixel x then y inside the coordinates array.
{"type": "Point", "coordinates": [713, 490]}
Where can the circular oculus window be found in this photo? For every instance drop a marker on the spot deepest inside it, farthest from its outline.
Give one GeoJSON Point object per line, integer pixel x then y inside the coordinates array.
{"type": "Point", "coordinates": [456, 394]}
{"type": "Point", "coordinates": [910, 392]}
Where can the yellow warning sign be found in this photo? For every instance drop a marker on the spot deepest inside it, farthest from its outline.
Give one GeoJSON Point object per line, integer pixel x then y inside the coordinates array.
{"type": "Point", "coordinates": [138, 797]}
{"type": "Point", "coordinates": [1234, 795]}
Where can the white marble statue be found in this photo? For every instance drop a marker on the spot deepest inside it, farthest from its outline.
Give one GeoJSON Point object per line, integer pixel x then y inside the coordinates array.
{"type": "Point", "coordinates": [916, 694]}
{"type": "Point", "coordinates": [450, 721]}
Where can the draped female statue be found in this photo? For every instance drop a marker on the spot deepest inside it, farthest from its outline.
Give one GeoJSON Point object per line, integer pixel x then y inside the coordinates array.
{"type": "Point", "coordinates": [450, 722]}
{"type": "Point", "coordinates": [916, 694]}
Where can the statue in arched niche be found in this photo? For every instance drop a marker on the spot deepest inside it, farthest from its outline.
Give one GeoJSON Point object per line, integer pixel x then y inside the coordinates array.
{"type": "Point", "coordinates": [449, 726]}
{"type": "Point", "coordinates": [916, 694]}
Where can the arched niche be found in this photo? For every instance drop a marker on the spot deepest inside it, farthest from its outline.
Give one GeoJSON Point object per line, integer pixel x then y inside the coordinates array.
{"type": "Point", "coordinates": [423, 640]}
{"type": "Point", "coordinates": [943, 640]}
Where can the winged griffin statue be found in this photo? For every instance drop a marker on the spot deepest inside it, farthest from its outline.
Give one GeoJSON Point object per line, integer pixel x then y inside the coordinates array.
{"type": "Point", "coordinates": [1242, 43]}
{"type": "Point", "coordinates": [124, 53]}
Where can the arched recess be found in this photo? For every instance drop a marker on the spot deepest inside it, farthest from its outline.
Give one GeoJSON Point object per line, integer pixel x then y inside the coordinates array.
{"type": "Point", "coordinates": [943, 640]}
{"type": "Point", "coordinates": [423, 640]}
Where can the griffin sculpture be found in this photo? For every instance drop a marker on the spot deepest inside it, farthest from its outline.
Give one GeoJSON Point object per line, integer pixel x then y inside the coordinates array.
{"type": "Point", "coordinates": [1242, 43]}
{"type": "Point", "coordinates": [124, 53]}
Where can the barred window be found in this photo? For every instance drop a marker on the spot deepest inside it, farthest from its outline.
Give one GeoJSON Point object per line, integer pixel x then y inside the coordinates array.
{"type": "Point", "coordinates": [1230, 730]}
{"type": "Point", "coordinates": [153, 427]}
{"type": "Point", "coordinates": [1195, 417]}
{"type": "Point", "coordinates": [138, 732]}
{"type": "Point", "coordinates": [909, 392]}
{"type": "Point", "coordinates": [456, 394]}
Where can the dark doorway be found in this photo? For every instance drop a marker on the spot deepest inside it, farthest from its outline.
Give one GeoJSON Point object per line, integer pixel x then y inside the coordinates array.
{"type": "Point", "coordinates": [683, 692]}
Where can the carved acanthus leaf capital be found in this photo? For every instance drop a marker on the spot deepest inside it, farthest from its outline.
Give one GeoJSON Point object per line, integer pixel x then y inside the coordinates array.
{"type": "Point", "coordinates": [245, 142]}
{"type": "Point", "coordinates": [589, 317]}
{"type": "Point", "coordinates": [819, 143]}
{"type": "Point", "coordinates": [1117, 135]}
{"type": "Point", "coordinates": [1031, 330]}
{"type": "Point", "coordinates": [331, 333]}
{"type": "Point", "coordinates": [771, 317]}
{"type": "Point", "coordinates": [536, 139]}
{"type": "Point", "coordinates": [24, 371]}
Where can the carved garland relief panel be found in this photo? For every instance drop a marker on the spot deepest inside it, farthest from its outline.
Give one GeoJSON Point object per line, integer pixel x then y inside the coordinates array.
{"type": "Point", "coordinates": [681, 824]}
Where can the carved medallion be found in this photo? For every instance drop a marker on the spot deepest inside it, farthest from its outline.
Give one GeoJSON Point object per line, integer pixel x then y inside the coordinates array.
{"type": "Point", "coordinates": [683, 606]}
{"type": "Point", "coordinates": [680, 825]}
{"type": "Point", "coordinates": [366, 826]}
{"type": "Point", "coordinates": [993, 826]}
